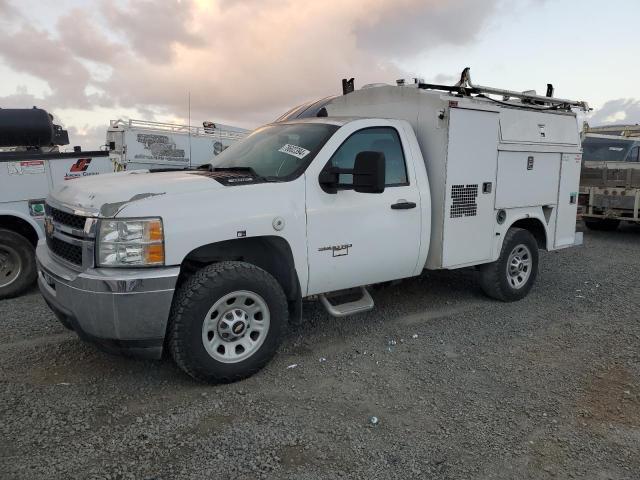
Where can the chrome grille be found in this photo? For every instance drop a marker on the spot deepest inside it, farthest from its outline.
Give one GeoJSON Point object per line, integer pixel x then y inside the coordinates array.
{"type": "Point", "coordinates": [65, 218]}
{"type": "Point", "coordinates": [67, 238]}
{"type": "Point", "coordinates": [70, 253]}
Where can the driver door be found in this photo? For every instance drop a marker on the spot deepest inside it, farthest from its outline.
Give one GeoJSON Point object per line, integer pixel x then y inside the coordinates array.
{"type": "Point", "coordinates": [357, 238]}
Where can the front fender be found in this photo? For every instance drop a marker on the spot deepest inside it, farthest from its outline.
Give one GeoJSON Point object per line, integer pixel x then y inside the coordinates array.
{"type": "Point", "coordinates": [26, 218]}
{"type": "Point", "coordinates": [197, 219]}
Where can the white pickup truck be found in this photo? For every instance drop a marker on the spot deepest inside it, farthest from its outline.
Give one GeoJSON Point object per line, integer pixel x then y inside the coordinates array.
{"type": "Point", "coordinates": [375, 185]}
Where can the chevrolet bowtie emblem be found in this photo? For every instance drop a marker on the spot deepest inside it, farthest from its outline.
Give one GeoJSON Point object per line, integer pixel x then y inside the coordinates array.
{"type": "Point", "coordinates": [48, 227]}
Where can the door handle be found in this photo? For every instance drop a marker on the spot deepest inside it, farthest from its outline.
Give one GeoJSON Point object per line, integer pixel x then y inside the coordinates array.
{"type": "Point", "coordinates": [403, 205]}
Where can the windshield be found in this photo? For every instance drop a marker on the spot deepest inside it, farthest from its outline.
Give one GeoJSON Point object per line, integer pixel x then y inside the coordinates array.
{"type": "Point", "coordinates": [604, 149]}
{"type": "Point", "coordinates": [277, 152]}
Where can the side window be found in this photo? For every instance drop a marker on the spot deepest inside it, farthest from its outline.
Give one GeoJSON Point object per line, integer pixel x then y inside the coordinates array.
{"type": "Point", "coordinates": [633, 155]}
{"type": "Point", "coordinates": [378, 139]}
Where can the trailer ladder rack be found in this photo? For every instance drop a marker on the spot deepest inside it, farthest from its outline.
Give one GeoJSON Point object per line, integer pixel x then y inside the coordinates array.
{"type": "Point", "coordinates": [173, 128]}
{"type": "Point", "coordinates": [529, 100]}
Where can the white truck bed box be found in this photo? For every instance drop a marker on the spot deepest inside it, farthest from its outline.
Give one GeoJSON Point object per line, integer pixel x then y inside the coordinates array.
{"type": "Point", "coordinates": [482, 157]}
{"type": "Point", "coordinates": [140, 144]}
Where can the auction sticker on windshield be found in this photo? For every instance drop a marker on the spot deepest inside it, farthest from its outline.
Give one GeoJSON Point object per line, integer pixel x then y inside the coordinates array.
{"type": "Point", "coordinates": [294, 151]}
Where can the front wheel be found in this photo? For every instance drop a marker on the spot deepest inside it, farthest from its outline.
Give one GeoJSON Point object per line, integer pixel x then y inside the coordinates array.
{"type": "Point", "coordinates": [17, 264]}
{"type": "Point", "coordinates": [512, 276]}
{"type": "Point", "coordinates": [227, 322]}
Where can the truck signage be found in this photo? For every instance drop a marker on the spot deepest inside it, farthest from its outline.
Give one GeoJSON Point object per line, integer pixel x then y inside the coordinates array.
{"type": "Point", "coordinates": [26, 167]}
{"type": "Point", "coordinates": [159, 147]}
{"type": "Point", "coordinates": [79, 169]}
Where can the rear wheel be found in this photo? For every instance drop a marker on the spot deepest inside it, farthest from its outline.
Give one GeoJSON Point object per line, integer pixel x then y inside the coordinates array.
{"type": "Point", "coordinates": [512, 276]}
{"type": "Point", "coordinates": [602, 224]}
{"type": "Point", "coordinates": [227, 322]}
{"type": "Point", "coordinates": [17, 264]}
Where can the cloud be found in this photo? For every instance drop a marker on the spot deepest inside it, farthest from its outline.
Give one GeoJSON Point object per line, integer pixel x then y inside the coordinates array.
{"type": "Point", "coordinates": [36, 52]}
{"type": "Point", "coordinates": [154, 28]}
{"type": "Point", "coordinates": [21, 99]}
{"type": "Point", "coordinates": [261, 58]}
{"type": "Point", "coordinates": [88, 136]}
{"type": "Point", "coordinates": [406, 28]}
{"type": "Point", "coordinates": [7, 10]}
{"type": "Point", "coordinates": [80, 37]}
{"type": "Point", "coordinates": [622, 110]}
{"type": "Point", "coordinates": [243, 61]}
{"type": "Point", "coordinates": [444, 79]}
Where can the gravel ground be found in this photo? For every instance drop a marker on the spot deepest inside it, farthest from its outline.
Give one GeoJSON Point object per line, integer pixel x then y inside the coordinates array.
{"type": "Point", "coordinates": [548, 387]}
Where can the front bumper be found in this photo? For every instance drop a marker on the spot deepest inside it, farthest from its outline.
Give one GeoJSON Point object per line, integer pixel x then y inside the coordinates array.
{"type": "Point", "coordinates": [120, 310]}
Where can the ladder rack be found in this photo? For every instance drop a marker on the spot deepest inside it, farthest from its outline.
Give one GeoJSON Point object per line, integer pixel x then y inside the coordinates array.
{"type": "Point", "coordinates": [173, 128]}
{"type": "Point", "coordinates": [530, 100]}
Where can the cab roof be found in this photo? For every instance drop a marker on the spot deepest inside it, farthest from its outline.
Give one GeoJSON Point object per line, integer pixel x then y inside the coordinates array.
{"type": "Point", "coordinates": [337, 121]}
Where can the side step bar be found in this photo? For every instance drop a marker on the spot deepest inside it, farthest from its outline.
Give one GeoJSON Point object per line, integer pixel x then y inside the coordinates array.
{"type": "Point", "coordinates": [363, 304]}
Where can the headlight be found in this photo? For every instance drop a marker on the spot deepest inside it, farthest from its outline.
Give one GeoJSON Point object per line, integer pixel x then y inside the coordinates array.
{"type": "Point", "coordinates": [136, 242]}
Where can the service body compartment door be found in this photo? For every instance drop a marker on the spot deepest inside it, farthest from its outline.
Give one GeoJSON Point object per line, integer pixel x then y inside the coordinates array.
{"type": "Point", "coordinates": [568, 200]}
{"type": "Point", "coordinates": [471, 175]}
{"type": "Point", "coordinates": [527, 179]}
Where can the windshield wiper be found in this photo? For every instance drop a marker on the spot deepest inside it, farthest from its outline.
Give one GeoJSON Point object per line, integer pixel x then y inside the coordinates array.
{"type": "Point", "coordinates": [248, 170]}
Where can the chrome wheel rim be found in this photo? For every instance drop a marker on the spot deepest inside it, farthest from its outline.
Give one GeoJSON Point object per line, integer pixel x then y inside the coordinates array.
{"type": "Point", "coordinates": [236, 326]}
{"type": "Point", "coordinates": [519, 266]}
{"type": "Point", "coordinates": [10, 265]}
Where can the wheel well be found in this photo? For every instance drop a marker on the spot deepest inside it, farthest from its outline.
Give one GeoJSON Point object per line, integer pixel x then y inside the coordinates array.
{"type": "Point", "coordinates": [536, 228]}
{"type": "Point", "coordinates": [18, 225]}
{"type": "Point", "coordinates": [270, 253]}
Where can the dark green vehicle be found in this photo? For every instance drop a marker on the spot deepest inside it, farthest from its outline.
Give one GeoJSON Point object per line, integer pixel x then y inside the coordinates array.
{"type": "Point", "coordinates": [610, 179]}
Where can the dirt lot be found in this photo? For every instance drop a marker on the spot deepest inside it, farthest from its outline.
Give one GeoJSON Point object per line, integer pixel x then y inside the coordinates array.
{"type": "Point", "coordinates": [545, 388]}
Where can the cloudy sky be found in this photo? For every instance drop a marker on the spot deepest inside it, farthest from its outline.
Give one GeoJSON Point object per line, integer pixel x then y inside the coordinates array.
{"type": "Point", "coordinates": [245, 62]}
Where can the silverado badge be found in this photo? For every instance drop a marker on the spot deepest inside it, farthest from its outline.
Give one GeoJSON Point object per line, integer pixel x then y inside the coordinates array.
{"type": "Point", "coordinates": [337, 250]}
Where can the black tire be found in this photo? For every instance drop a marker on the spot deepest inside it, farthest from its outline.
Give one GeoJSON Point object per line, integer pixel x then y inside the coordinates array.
{"type": "Point", "coordinates": [602, 224]}
{"type": "Point", "coordinates": [192, 304]}
{"type": "Point", "coordinates": [494, 277]}
{"type": "Point", "coordinates": [17, 264]}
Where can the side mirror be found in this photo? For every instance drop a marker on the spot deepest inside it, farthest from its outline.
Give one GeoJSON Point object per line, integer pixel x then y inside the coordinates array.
{"type": "Point", "coordinates": [368, 175]}
{"type": "Point", "coordinates": [329, 179]}
{"type": "Point", "coordinates": [369, 172]}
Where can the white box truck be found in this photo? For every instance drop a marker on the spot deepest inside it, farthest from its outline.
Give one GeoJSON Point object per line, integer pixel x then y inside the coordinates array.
{"type": "Point", "coordinates": [375, 185]}
{"type": "Point", "coordinates": [142, 144]}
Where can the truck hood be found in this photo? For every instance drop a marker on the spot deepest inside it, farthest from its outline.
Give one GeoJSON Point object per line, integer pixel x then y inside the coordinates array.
{"type": "Point", "coordinates": [105, 195]}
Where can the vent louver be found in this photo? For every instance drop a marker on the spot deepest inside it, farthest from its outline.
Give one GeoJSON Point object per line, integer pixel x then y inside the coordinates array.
{"type": "Point", "coordinates": [463, 201]}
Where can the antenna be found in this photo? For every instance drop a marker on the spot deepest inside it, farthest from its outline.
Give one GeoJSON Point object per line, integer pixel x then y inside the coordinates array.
{"type": "Point", "coordinates": [189, 122]}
